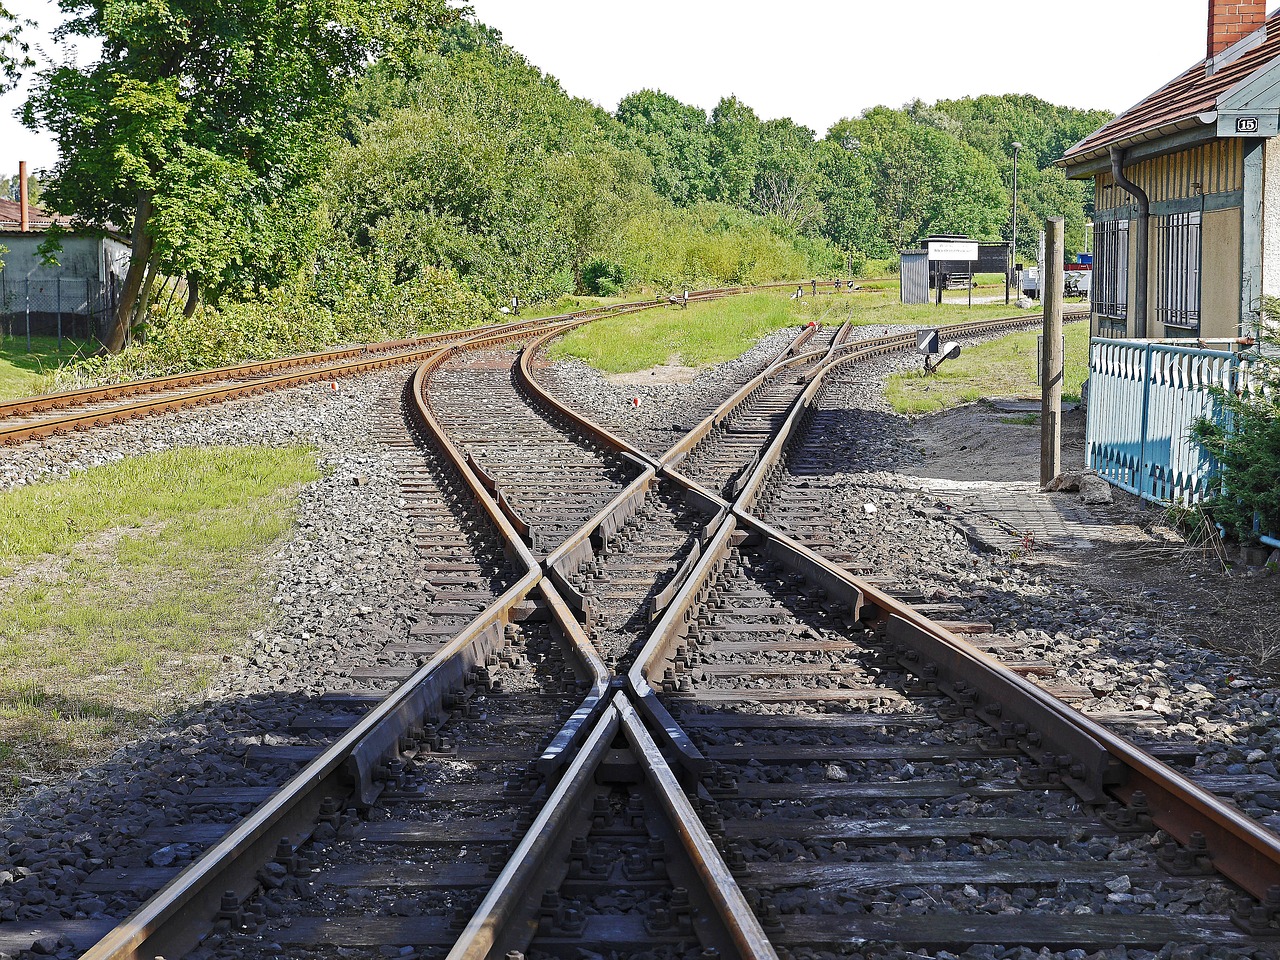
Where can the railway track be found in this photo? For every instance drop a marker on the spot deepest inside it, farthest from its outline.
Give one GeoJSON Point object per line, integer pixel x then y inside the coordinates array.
{"type": "Point", "coordinates": [680, 732]}
{"type": "Point", "coordinates": [30, 418]}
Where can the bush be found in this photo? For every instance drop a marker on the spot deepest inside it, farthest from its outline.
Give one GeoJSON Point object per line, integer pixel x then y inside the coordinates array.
{"type": "Point", "coordinates": [603, 278]}
{"type": "Point", "coordinates": [297, 318]}
{"type": "Point", "coordinates": [1245, 438]}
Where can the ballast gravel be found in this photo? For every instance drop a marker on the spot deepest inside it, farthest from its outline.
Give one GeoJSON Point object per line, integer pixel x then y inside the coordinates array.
{"type": "Point", "coordinates": [346, 588]}
{"type": "Point", "coordinates": [1149, 662]}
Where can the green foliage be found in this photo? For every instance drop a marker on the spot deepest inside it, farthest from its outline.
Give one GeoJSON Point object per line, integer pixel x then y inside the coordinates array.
{"type": "Point", "coordinates": [676, 139]}
{"type": "Point", "coordinates": [1244, 438]}
{"type": "Point", "coordinates": [992, 124]}
{"type": "Point", "coordinates": [14, 50]}
{"type": "Point", "coordinates": [922, 180]}
{"type": "Point", "coordinates": [35, 189]}
{"type": "Point", "coordinates": [735, 151]}
{"type": "Point", "coordinates": [360, 304]}
{"type": "Point", "coordinates": [187, 140]}
{"type": "Point", "coordinates": [468, 159]}
{"type": "Point", "coordinates": [712, 244]}
{"type": "Point", "coordinates": [603, 278]}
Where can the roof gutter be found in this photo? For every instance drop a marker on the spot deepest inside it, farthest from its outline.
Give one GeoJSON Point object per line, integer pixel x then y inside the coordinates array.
{"type": "Point", "coordinates": [1170, 138]}
{"type": "Point", "coordinates": [1144, 247]}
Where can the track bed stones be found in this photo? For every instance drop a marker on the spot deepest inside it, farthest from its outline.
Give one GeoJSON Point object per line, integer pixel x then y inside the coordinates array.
{"type": "Point", "coordinates": [359, 592]}
{"type": "Point", "coordinates": [665, 411]}
{"type": "Point", "coordinates": [1139, 668]}
{"type": "Point", "coordinates": [628, 580]}
{"type": "Point", "coordinates": [855, 806]}
{"type": "Point", "coordinates": [402, 878]}
{"type": "Point", "coordinates": [553, 479]}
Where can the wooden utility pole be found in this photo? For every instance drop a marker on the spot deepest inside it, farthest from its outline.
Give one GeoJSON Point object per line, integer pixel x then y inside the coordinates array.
{"type": "Point", "coordinates": [1051, 353]}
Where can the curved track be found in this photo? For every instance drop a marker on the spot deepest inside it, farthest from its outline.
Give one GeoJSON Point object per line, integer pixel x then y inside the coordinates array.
{"type": "Point", "coordinates": [680, 732]}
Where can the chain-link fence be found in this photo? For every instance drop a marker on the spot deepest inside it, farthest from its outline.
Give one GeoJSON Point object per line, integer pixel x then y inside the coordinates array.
{"type": "Point", "coordinates": [57, 307]}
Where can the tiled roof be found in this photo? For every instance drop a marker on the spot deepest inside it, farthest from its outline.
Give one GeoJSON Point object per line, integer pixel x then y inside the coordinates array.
{"type": "Point", "coordinates": [39, 218]}
{"type": "Point", "coordinates": [1180, 100]}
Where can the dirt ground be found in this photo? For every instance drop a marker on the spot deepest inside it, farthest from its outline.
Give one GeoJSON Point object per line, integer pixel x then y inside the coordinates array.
{"type": "Point", "coordinates": [664, 374]}
{"type": "Point", "coordinates": [1139, 558]}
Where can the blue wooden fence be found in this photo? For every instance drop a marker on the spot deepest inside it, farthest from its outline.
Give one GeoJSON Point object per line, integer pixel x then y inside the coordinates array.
{"type": "Point", "coordinates": [1144, 399]}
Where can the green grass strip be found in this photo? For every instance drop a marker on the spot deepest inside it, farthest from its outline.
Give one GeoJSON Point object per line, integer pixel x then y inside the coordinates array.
{"type": "Point", "coordinates": [720, 330]}
{"type": "Point", "coordinates": [999, 368]}
{"type": "Point", "coordinates": [23, 373]}
{"type": "Point", "coordinates": [121, 588]}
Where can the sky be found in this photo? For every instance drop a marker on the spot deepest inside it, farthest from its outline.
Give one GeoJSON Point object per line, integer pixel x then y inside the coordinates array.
{"type": "Point", "coordinates": [815, 61]}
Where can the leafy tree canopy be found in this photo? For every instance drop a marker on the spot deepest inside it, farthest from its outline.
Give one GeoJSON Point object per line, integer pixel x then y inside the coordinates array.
{"type": "Point", "coordinates": [199, 112]}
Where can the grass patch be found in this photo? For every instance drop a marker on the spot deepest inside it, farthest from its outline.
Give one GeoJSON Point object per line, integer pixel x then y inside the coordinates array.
{"type": "Point", "coordinates": [998, 368]}
{"type": "Point", "coordinates": [719, 330]}
{"type": "Point", "coordinates": [24, 374]}
{"type": "Point", "coordinates": [122, 586]}
{"type": "Point", "coordinates": [706, 333]}
{"type": "Point", "coordinates": [569, 304]}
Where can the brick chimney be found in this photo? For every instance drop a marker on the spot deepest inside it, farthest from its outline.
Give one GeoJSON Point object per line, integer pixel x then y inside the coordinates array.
{"type": "Point", "coordinates": [22, 196]}
{"type": "Point", "coordinates": [1231, 21]}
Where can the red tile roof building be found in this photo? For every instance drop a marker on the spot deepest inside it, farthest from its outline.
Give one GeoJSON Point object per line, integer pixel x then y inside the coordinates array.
{"type": "Point", "coordinates": [1197, 161]}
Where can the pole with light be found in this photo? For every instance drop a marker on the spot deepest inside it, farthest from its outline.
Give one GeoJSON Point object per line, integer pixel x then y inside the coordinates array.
{"type": "Point", "coordinates": [1016, 147]}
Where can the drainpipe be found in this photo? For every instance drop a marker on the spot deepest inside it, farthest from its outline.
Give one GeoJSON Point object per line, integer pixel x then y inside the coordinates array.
{"type": "Point", "coordinates": [1144, 247]}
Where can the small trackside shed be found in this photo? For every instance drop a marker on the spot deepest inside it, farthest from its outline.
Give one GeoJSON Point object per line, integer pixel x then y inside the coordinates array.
{"type": "Point", "coordinates": [77, 291]}
{"type": "Point", "coordinates": [1187, 192]}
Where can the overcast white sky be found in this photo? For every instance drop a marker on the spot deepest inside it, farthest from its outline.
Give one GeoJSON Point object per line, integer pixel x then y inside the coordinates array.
{"type": "Point", "coordinates": [816, 61]}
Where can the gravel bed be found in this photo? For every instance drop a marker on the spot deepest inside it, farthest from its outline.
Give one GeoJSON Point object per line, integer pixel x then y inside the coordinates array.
{"type": "Point", "coordinates": [1131, 660]}
{"type": "Point", "coordinates": [346, 587]}
{"type": "Point", "coordinates": [667, 411]}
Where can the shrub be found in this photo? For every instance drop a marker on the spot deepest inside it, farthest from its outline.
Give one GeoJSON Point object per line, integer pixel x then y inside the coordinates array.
{"type": "Point", "coordinates": [603, 278]}
{"type": "Point", "coordinates": [1245, 438]}
{"type": "Point", "coordinates": [296, 318]}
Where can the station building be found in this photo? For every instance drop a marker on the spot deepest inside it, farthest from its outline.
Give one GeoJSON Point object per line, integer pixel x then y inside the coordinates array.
{"type": "Point", "coordinates": [1187, 192]}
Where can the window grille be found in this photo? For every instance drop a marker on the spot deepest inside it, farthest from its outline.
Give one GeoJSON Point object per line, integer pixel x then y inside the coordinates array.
{"type": "Point", "coordinates": [1111, 269]}
{"type": "Point", "coordinates": [1178, 282]}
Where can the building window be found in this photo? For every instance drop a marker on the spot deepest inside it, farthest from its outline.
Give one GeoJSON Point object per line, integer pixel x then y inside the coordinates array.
{"type": "Point", "coordinates": [1178, 280]}
{"type": "Point", "coordinates": [1111, 271]}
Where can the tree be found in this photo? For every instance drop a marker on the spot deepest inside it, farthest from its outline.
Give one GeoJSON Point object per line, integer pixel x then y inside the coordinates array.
{"type": "Point", "coordinates": [9, 187]}
{"type": "Point", "coordinates": [14, 50]}
{"type": "Point", "coordinates": [735, 151]}
{"type": "Point", "coordinates": [676, 139]}
{"type": "Point", "coordinates": [594, 194]}
{"type": "Point", "coordinates": [787, 179]}
{"type": "Point", "coordinates": [197, 113]}
{"type": "Point", "coordinates": [923, 180]}
{"type": "Point", "coordinates": [848, 210]}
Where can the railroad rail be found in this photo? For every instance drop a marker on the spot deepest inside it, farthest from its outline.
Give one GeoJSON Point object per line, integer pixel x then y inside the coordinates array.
{"type": "Point", "coordinates": [703, 691]}
{"type": "Point", "coordinates": [90, 407]}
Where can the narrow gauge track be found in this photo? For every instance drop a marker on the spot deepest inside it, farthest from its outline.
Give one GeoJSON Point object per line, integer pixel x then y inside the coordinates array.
{"type": "Point", "coordinates": [391, 756]}
{"type": "Point", "coordinates": [21, 420]}
{"type": "Point", "coordinates": [33, 417]}
{"type": "Point", "coordinates": [548, 479]}
{"type": "Point", "coordinates": [584, 874]}
{"type": "Point", "coordinates": [455, 568]}
{"type": "Point", "coordinates": [894, 655]}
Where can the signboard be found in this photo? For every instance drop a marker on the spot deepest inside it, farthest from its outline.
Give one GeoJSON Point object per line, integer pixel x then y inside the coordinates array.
{"type": "Point", "coordinates": [927, 341]}
{"type": "Point", "coordinates": [1246, 124]}
{"type": "Point", "coordinates": [956, 251]}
